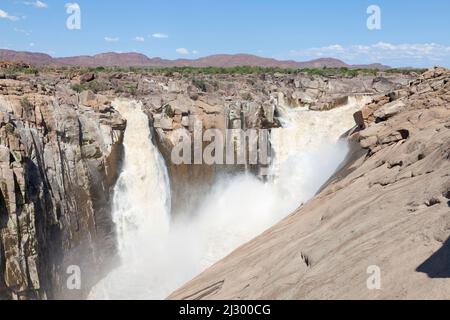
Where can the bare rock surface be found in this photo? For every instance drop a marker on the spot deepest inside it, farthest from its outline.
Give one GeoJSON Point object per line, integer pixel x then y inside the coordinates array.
{"type": "Point", "coordinates": [389, 210]}
{"type": "Point", "coordinates": [58, 162]}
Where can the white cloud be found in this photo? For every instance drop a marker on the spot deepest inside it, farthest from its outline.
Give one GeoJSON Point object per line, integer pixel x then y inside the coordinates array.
{"type": "Point", "coordinates": [6, 15]}
{"type": "Point", "coordinates": [183, 51]}
{"type": "Point", "coordinates": [111, 39]}
{"type": "Point", "coordinates": [32, 44]}
{"type": "Point", "coordinates": [420, 53]}
{"type": "Point", "coordinates": [25, 32]}
{"type": "Point", "coordinates": [72, 6]}
{"type": "Point", "coordinates": [139, 39]}
{"type": "Point", "coordinates": [160, 36]}
{"type": "Point", "coordinates": [195, 52]}
{"type": "Point", "coordinates": [37, 4]}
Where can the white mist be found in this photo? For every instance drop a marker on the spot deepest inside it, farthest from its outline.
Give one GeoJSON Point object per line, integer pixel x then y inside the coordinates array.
{"type": "Point", "coordinates": [158, 258]}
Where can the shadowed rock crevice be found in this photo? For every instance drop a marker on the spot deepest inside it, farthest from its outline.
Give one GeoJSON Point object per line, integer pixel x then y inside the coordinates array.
{"type": "Point", "coordinates": [438, 264]}
{"type": "Point", "coordinates": [3, 212]}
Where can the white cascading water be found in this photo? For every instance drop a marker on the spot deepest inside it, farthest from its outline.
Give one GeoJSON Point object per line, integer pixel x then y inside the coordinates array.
{"type": "Point", "coordinates": [156, 259]}
{"type": "Point", "coordinates": [141, 203]}
{"type": "Point", "coordinates": [308, 150]}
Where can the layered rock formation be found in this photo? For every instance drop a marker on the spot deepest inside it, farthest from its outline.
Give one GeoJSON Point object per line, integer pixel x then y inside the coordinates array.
{"type": "Point", "coordinates": [386, 214]}
{"type": "Point", "coordinates": [58, 162]}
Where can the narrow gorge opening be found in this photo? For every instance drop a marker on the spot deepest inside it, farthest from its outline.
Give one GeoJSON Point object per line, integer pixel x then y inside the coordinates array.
{"type": "Point", "coordinates": [160, 250]}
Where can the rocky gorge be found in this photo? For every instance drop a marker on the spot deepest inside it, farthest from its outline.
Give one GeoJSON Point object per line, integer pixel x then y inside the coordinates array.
{"type": "Point", "coordinates": [62, 152]}
{"type": "Point", "coordinates": [384, 213]}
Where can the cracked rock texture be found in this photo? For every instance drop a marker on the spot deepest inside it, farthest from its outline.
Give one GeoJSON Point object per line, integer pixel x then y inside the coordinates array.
{"type": "Point", "coordinates": [58, 162]}
{"type": "Point", "coordinates": [388, 207]}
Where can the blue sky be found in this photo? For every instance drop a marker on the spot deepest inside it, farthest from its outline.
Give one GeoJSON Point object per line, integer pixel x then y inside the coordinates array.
{"type": "Point", "coordinates": [413, 33]}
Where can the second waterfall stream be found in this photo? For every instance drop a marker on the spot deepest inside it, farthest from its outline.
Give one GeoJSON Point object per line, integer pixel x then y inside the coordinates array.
{"type": "Point", "coordinates": [157, 255]}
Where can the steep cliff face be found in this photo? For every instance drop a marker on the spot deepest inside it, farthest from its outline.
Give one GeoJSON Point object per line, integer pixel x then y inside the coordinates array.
{"type": "Point", "coordinates": [58, 162]}
{"type": "Point", "coordinates": [384, 215]}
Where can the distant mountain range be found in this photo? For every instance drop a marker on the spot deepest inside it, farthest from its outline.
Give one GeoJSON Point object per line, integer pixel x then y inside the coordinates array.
{"type": "Point", "coordinates": [112, 59]}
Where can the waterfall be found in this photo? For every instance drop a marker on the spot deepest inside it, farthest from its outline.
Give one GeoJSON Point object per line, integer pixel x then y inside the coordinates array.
{"type": "Point", "coordinates": [304, 130]}
{"type": "Point", "coordinates": [308, 149]}
{"type": "Point", "coordinates": [156, 259]}
{"type": "Point", "coordinates": [141, 204]}
{"type": "Point", "coordinates": [142, 194]}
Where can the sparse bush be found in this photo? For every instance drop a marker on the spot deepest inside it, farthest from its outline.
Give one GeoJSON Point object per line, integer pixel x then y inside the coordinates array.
{"type": "Point", "coordinates": [200, 84]}
{"type": "Point", "coordinates": [168, 111]}
{"type": "Point", "coordinates": [97, 86]}
{"type": "Point", "coordinates": [9, 128]}
{"type": "Point", "coordinates": [31, 70]}
{"type": "Point", "coordinates": [78, 88]}
{"type": "Point", "coordinates": [27, 106]}
{"type": "Point", "coordinates": [406, 71]}
{"type": "Point", "coordinates": [247, 96]}
{"type": "Point", "coordinates": [131, 89]}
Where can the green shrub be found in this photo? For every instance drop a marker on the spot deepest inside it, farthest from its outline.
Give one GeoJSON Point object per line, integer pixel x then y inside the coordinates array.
{"type": "Point", "coordinates": [31, 70]}
{"type": "Point", "coordinates": [200, 84]}
{"type": "Point", "coordinates": [78, 88]}
{"type": "Point", "coordinates": [247, 96]}
{"type": "Point", "coordinates": [27, 106]}
{"type": "Point", "coordinates": [168, 111]}
{"type": "Point", "coordinates": [132, 89]}
{"type": "Point", "coordinates": [97, 86]}
{"type": "Point", "coordinates": [9, 128]}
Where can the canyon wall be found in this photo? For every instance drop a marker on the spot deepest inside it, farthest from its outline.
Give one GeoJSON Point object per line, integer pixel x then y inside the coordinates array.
{"type": "Point", "coordinates": [61, 152]}
{"type": "Point", "coordinates": [59, 160]}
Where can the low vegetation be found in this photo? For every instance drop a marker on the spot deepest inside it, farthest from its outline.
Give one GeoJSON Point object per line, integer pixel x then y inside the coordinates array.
{"type": "Point", "coordinates": [95, 86]}
{"type": "Point", "coordinates": [12, 70]}
{"type": "Point", "coordinates": [27, 106]}
{"type": "Point", "coordinates": [200, 84]}
{"type": "Point", "coordinates": [192, 71]}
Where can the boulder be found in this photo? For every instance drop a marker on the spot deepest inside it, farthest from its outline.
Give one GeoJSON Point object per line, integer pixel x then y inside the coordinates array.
{"type": "Point", "coordinates": [4, 154]}
{"type": "Point", "coordinates": [369, 142]}
{"type": "Point", "coordinates": [98, 102]}
{"type": "Point", "coordinates": [389, 110]}
{"type": "Point", "coordinates": [166, 123]}
{"type": "Point", "coordinates": [88, 98]}
{"type": "Point", "coordinates": [359, 119]}
{"type": "Point", "coordinates": [87, 77]}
